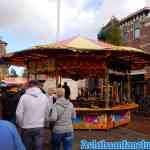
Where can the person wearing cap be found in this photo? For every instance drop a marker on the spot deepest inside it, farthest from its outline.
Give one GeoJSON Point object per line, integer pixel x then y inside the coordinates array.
{"type": "Point", "coordinates": [31, 114]}
{"type": "Point", "coordinates": [63, 114]}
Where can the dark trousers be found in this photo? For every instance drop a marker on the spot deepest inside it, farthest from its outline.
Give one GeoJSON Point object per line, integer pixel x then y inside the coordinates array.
{"type": "Point", "coordinates": [65, 138]}
{"type": "Point", "coordinates": [33, 138]}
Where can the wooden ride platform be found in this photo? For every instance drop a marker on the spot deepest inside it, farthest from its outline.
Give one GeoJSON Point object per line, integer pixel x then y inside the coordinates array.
{"type": "Point", "coordinates": [104, 118]}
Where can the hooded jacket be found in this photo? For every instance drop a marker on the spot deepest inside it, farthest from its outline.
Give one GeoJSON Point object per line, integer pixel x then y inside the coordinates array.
{"type": "Point", "coordinates": [63, 113]}
{"type": "Point", "coordinates": [32, 109]}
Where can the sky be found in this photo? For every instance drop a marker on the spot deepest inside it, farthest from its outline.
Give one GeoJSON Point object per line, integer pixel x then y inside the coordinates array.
{"type": "Point", "coordinates": [24, 23]}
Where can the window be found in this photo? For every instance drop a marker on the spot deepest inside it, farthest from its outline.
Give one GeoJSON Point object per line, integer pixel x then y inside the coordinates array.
{"type": "Point", "coordinates": [125, 33]}
{"type": "Point", "coordinates": [136, 30]}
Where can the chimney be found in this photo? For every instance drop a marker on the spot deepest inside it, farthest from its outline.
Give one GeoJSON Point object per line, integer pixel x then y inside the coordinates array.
{"type": "Point", "coordinates": [2, 48]}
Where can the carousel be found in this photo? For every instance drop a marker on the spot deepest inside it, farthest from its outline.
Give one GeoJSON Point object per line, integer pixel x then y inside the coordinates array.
{"type": "Point", "coordinates": [103, 105]}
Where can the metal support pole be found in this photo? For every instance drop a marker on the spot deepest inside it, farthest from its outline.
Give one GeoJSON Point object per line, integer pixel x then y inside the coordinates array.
{"type": "Point", "coordinates": [35, 75]}
{"type": "Point", "coordinates": [107, 88]}
{"type": "Point", "coordinates": [129, 87]}
{"type": "Point", "coordinates": [60, 79]}
{"type": "Point", "coordinates": [58, 21]}
{"type": "Point", "coordinates": [28, 73]}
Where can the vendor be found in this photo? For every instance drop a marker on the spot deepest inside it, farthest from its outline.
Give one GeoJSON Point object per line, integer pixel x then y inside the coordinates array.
{"type": "Point", "coordinates": [67, 90]}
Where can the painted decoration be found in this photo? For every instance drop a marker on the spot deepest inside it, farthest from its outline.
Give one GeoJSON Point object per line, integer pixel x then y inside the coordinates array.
{"type": "Point", "coordinates": [101, 121]}
{"type": "Point", "coordinates": [91, 121]}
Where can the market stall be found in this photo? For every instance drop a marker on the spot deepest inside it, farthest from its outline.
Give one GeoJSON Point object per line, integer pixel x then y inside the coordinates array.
{"type": "Point", "coordinates": [105, 102]}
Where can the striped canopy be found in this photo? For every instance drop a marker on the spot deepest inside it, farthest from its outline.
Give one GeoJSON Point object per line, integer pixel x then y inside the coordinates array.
{"type": "Point", "coordinates": [84, 44]}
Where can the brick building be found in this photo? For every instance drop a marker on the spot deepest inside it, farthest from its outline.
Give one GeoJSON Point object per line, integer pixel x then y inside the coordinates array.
{"type": "Point", "coordinates": [135, 30]}
{"type": "Point", "coordinates": [136, 33]}
{"type": "Point", "coordinates": [3, 65]}
{"type": "Point", "coordinates": [2, 48]}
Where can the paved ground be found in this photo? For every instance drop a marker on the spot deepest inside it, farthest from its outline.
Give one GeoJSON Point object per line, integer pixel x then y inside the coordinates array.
{"type": "Point", "coordinates": [138, 129]}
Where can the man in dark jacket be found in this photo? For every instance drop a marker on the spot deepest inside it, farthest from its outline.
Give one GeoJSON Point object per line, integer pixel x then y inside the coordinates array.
{"type": "Point", "coordinates": [9, 104]}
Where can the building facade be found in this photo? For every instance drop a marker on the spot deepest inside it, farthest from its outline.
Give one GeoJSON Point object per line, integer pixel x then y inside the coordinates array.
{"type": "Point", "coordinates": [136, 33]}
{"type": "Point", "coordinates": [3, 64]}
{"type": "Point", "coordinates": [135, 30]}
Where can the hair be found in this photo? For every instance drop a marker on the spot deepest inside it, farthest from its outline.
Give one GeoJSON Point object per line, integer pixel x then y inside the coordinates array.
{"type": "Point", "coordinates": [60, 92]}
{"type": "Point", "coordinates": [33, 83]}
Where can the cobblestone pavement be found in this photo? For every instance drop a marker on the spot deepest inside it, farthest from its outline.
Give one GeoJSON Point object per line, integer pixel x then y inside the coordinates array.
{"type": "Point", "coordinates": [136, 130]}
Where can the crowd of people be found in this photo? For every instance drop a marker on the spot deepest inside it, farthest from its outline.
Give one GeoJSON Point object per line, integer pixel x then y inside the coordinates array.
{"type": "Point", "coordinates": [31, 111]}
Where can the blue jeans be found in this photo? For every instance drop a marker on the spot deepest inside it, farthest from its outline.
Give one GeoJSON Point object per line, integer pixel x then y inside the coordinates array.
{"type": "Point", "coordinates": [65, 138]}
{"type": "Point", "coordinates": [33, 138]}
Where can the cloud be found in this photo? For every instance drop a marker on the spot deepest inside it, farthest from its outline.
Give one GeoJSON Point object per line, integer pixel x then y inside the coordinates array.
{"type": "Point", "coordinates": [89, 21]}
{"type": "Point", "coordinates": [28, 18]}
{"type": "Point", "coordinates": [148, 3]}
{"type": "Point", "coordinates": [31, 20]}
{"type": "Point", "coordinates": [10, 12]}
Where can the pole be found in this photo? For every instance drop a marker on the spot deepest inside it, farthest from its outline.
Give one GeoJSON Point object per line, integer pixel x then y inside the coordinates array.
{"type": "Point", "coordinates": [107, 87]}
{"type": "Point", "coordinates": [129, 87]}
{"type": "Point", "coordinates": [28, 71]}
{"type": "Point", "coordinates": [58, 20]}
{"type": "Point", "coordinates": [60, 79]}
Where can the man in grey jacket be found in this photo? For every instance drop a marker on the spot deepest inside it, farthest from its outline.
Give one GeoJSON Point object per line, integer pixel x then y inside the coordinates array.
{"type": "Point", "coordinates": [62, 114]}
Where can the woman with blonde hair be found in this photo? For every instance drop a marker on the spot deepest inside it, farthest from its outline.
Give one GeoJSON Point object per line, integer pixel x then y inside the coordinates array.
{"type": "Point", "coordinates": [63, 113]}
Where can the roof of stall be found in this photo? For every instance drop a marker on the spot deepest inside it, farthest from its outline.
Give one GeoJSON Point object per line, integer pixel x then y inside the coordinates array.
{"type": "Point", "coordinates": [81, 45]}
